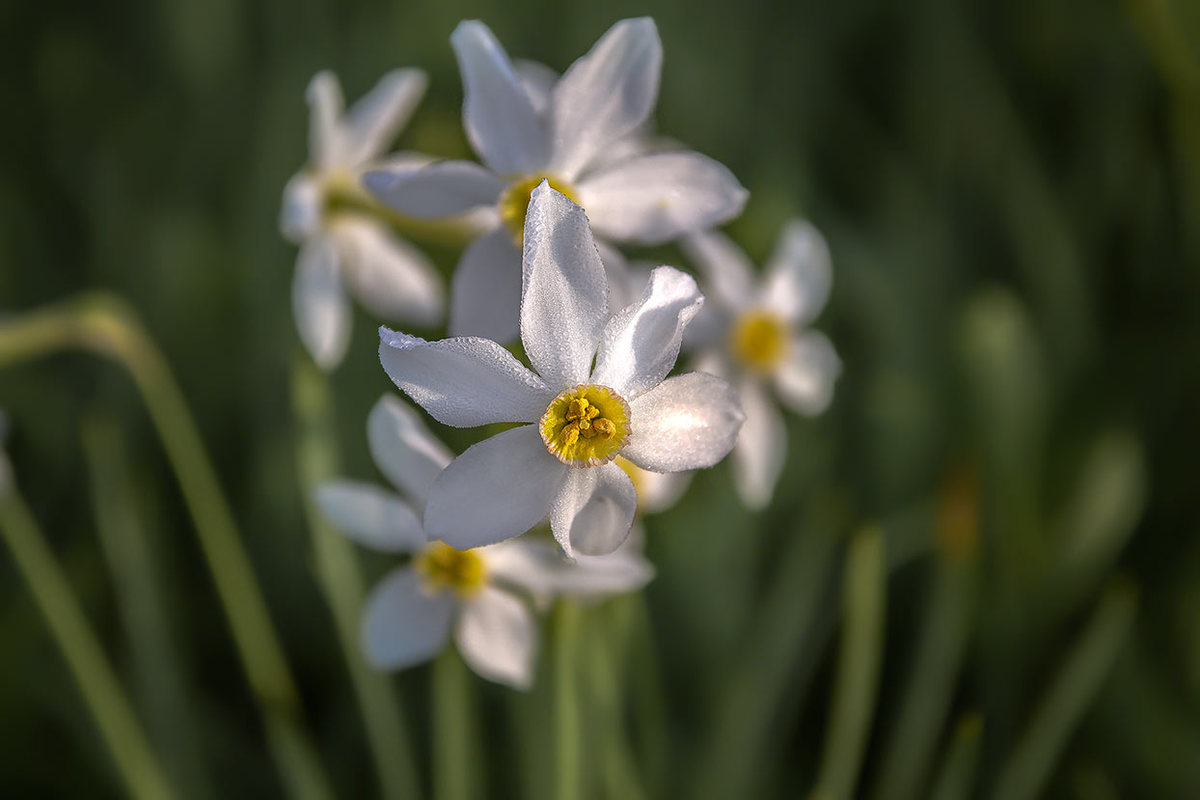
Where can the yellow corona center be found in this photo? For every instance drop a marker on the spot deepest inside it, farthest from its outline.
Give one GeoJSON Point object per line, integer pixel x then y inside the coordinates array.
{"type": "Point", "coordinates": [442, 567]}
{"type": "Point", "coordinates": [585, 426]}
{"type": "Point", "coordinates": [514, 202]}
{"type": "Point", "coordinates": [758, 340]}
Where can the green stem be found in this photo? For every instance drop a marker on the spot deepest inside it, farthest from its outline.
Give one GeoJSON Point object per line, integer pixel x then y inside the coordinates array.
{"type": "Point", "coordinates": [80, 647]}
{"type": "Point", "coordinates": [765, 672]}
{"type": "Point", "coordinates": [863, 604]}
{"type": "Point", "coordinates": [930, 686]}
{"type": "Point", "coordinates": [341, 581]}
{"type": "Point", "coordinates": [456, 764]}
{"type": "Point", "coordinates": [620, 774]}
{"type": "Point", "coordinates": [566, 702]}
{"type": "Point", "coordinates": [138, 581]}
{"type": "Point", "coordinates": [104, 325]}
{"type": "Point", "coordinates": [1076, 683]}
{"type": "Point", "coordinates": [957, 773]}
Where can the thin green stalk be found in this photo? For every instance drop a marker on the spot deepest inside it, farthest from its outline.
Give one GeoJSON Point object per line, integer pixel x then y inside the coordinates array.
{"type": "Point", "coordinates": [80, 647]}
{"type": "Point", "coordinates": [618, 768]}
{"type": "Point", "coordinates": [457, 764]}
{"type": "Point", "coordinates": [930, 687]}
{"type": "Point", "coordinates": [741, 728]}
{"type": "Point", "coordinates": [567, 715]}
{"type": "Point", "coordinates": [341, 581]}
{"type": "Point", "coordinates": [653, 738]}
{"type": "Point", "coordinates": [956, 776]}
{"type": "Point", "coordinates": [137, 579]}
{"type": "Point", "coordinates": [102, 324]}
{"type": "Point", "coordinates": [863, 604]}
{"type": "Point", "coordinates": [1069, 696]}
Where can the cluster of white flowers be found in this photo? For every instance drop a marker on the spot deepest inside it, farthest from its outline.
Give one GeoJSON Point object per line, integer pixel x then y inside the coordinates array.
{"type": "Point", "coordinates": [596, 429]}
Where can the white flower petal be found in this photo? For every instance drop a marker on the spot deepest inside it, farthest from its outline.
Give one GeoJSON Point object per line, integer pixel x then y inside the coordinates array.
{"type": "Point", "coordinates": [799, 274]}
{"type": "Point", "coordinates": [497, 113]}
{"type": "Point", "coordinates": [686, 422]}
{"type": "Point", "coordinates": [325, 104]}
{"type": "Point", "coordinates": [485, 292]}
{"type": "Point", "coordinates": [402, 625]}
{"type": "Point", "coordinates": [640, 344]}
{"type": "Point", "coordinates": [434, 190]}
{"type": "Point", "coordinates": [371, 516]}
{"type": "Point", "coordinates": [761, 447]}
{"type": "Point", "coordinates": [319, 303]}
{"type": "Point", "coordinates": [538, 80]}
{"type": "Point", "coordinates": [657, 198]}
{"type": "Point", "coordinates": [498, 489]}
{"type": "Point", "coordinates": [606, 94]}
{"type": "Point", "coordinates": [497, 637]}
{"type": "Point", "coordinates": [564, 291]}
{"type": "Point", "coordinates": [303, 203]}
{"type": "Point", "coordinates": [389, 276]}
{"type": "Point", "coordinates": [464, 381]}
{"type": "Point", "coordinates": [539, 568]}
{"type": "Point", "coordinates": [805, 380]}
{"type": "Point", "coordinates": [403, 448]}
{"type": "Point", "coordinates": [373, 122]}
{"type": "Point", "coordinates": [594, 509]}
{"type": "Point", "coordinates": [728, 273]}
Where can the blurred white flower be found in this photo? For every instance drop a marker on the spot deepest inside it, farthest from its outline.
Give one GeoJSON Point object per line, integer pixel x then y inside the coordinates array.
{"type": "Point", "coordinates": [343, 246]}
{"type": "Point", "coordinates": [756, 334]}
{"type": "Point", "coordinates": [411, 614]}
{"type": "Point", "coordinates": [584, 133]}
{"type": "Point", "coordinates": [581, 416]}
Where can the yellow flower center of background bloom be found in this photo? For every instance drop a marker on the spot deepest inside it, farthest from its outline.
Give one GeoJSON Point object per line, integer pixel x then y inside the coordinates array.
{"type": "Point", "coordinates": [585, 426]}
{"type": "Point", "coordinates": [442, 567]}
{"type": "Point", "coordinates": [514, 202]}
{"type": "Point", "coordinates": [758, 340]}
{"type": "Point", "coordinates": [635, 475]}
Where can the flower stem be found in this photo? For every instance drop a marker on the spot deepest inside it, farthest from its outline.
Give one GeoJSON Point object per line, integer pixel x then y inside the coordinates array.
{"type": "Point", "coordinates": [457, 766]}
{"type": "Point", "coordinates": [80, 647]}
{"type": "Point", "coordinates": [341, 581]}
{"type": "Point", "coordinates": [566, 702]}
{"type": "Point", "coordinates": [863, 601]}
{"type": "Point", "coordinates": [930, 687]}
{"type": "Point", "coordinates": [1070, 694]}
{"type": "Point", "coordinates": [102, 324]}
{"type": "Point", "coordinates": [160, 679]}
{"type": "Point", "coordinates": [957, 773]}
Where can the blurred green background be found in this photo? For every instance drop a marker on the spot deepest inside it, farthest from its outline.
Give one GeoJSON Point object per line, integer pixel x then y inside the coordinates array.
{"type": "Point", "coordinates": [1011, 192]}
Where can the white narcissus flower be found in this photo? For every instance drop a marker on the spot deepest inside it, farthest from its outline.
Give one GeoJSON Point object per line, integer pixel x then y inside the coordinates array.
{"type": "Point", "coordinates": [343, 246]}
{"type": "Point", "coordinates": [409, 616]}
{"type": "Point", "coordinates": [580, 135]}
{"type": "Point", "coordinates": [756, 334]}
{"type": "Point", "coordinates": [579, 417]}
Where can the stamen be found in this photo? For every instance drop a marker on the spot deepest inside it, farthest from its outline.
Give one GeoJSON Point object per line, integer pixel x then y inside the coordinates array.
{"type": "Point", "coordinates": [585, 426]}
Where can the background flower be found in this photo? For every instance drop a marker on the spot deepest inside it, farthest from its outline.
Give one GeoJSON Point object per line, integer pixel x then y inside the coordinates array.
{"type": "Point", "coordinates": [410, 616]}
{"type": "Point", "coordinates": [756, 334]}
{"type": "Point", "coordinates": [585, 136]}
{"type": "Point", "coordinates": [344, 243]}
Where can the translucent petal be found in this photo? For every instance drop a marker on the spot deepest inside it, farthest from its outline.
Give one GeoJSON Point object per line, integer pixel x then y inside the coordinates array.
{"type": "Point", "coordinates": [594, 509]}
{"type": "Point", "coordinates": [402, 625]}
{"type": "Point", "coordinates": [498, 638]}
{"type": "Point", "coordinates": [371, 516]}
{"type": "Point", "coordinates": [463, 381]}
{"type": "Point", "coordinates": [687, 422]}
{"type": "Point", "coordinates": [403, 448]}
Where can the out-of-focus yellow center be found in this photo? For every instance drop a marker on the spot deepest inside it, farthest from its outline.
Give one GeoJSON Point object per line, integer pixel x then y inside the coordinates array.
{"type": "Point", "coordinates": [758, 340]}
{"type": "Point", "coordinates": [514, 201]}
{"type": "Point", "coordinates": [635, 474]}
{"type": "Point", "coordinates": [442, 567]}
{"type": "Point", "coordinates": [585, 426]}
